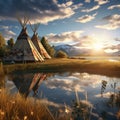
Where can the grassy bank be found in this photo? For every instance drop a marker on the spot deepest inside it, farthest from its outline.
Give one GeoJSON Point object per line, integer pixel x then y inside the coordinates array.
{"type": "Point", "coordinates": [15, 107]}
{"type": "Point", "coordinates": [103, 67]}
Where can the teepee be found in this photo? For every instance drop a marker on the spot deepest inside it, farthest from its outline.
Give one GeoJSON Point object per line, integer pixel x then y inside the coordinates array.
{"type": "Point", "coordinates": [24, 49]}
{"type": "Point", "coordinates": [36, 41]}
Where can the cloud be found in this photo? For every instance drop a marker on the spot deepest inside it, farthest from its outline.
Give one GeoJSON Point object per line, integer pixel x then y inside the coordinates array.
{"type": "Point", "coordinates": [105, 95]}
{"type": "Point", "coordinates": [73, 38]}
{"type": "Point", "coordinates": [87, 1]}
{"type": "Point", "coordinates": [69, 3]}
{"type": "Point", "coordinates": [69, 83]}
{"type": "Point", "coordinates": [88, 103]}
{"type": "Point", "coordinates": [107, 27]}
{"type": "Point", "coordinates": [73, 82]}
{"type": "Point", "coordinates": [5, 30]}
{"type": "Point", "coordinates": [4, 27]}
{"type": "Point", "coordinates": [101, 2]}
{"type": "Point", "coordinates": [109, 50]}
{"type": "Point", "coordinates": [38, 11]}
{"type": "Point", "coordinates": [67, 37]}
{"type": "Point", "coordinates": [91, 9]}
{"type": "Point", "coordinates": [117, 46]}
{"type": "Point", "coordinates": [117, 39]}
{"type": "Point", "coordinates": [114, 6]}
{"type": "Point", "coordinates": [113, 22]}
{"type": "Point", "coordinates": [86, 18]}
{"type": "Point", "coordinates": [85, 42]}
{"type": "Point", "coordinates": [50, 103]}
{"type": "Point", "coordinates": [113, 48]}
{"type": "Point", "coordinates": [8, 34]}
{"type": "Point", "coordinates": [77, 6]}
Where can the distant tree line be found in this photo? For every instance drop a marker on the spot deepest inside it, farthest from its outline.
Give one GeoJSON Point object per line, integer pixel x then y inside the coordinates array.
{"type": "Point", "coordinates": [5, 48]}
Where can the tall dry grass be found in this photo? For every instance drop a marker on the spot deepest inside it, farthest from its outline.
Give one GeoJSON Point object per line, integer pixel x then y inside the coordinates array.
{"type": "Point", "coordinates": [15, 107]}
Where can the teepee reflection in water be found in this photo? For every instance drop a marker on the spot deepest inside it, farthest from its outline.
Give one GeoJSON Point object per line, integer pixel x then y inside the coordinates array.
{"type": "Point", "coordinates": [29, 82]}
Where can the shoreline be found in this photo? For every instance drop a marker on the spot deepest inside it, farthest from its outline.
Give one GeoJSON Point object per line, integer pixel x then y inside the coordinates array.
{"type": "Point", "coordinates": [102, 67]}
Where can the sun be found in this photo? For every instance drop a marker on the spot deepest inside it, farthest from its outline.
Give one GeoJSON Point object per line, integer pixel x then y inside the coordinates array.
{"type": "Point", "coordinates": [97, 46]}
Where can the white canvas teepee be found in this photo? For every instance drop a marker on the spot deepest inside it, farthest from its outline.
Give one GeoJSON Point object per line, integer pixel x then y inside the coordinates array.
{"type": "Point", "coordinates": [36, 41]}
{"type": "Point", "coordinates": [24, 49]}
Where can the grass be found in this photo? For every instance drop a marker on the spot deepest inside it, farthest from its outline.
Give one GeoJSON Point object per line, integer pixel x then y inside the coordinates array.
{"type": "Point", "coordinates": [15, 107]}
{"type": "Point", "coordinates": [1, 69]}
{"type": "Point", "coordinates": [103, 67]}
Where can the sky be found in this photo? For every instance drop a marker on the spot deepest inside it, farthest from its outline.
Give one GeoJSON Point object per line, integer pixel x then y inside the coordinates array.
{"type": "Point", "coordinates": [85, 24]}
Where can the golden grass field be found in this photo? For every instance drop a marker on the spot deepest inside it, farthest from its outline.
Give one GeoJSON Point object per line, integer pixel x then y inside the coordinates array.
{"type": "Point", "coordinates": [104, 67]}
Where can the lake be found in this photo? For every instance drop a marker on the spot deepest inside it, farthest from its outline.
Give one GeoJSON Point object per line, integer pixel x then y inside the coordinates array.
{"type": "Point", "coordinates": [99, 94]}
{"type": "Point", "coordinates": [112, 58]}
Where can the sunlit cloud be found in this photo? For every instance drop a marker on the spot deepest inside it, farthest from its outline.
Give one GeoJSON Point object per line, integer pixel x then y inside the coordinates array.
{"type": "Point", "coordinates": [49, 15]}
{"type": "Point", "coordinates": [91, 9]}
{"type": "Point", "coordinates": [85, 42]}
{"type": "Point", "coordinates": [87, 1]}
{"type": "Point", "coordinates": [101, 2]}
{"type": "Point", "coordinates": [76, 6]}
{"type": "Point", "coordinates": [4, 27]}
{"type": "Point", "coordinates": [109, 50]}
{"type": "Point", "coordinates": [67, 37]}
{"type": "Point", "coordinates": [37, 11]}
{"type": "Point", "coordinates": [107, 27]}
{"type": "Point", "coordinates": [86, 18]}
{"type": "Point", "coordinates": [69, 3]}
{"type": "Point", "coordinates": [117, 46]}
{"type": "Point", "coordinates": [113, 7]}
{"type": "Point", "coordinates": [76, 43]}
{"type": "Point", "coordinates": [113, 22]}
{"type": "Point", "coordinates": [113, 48]}
{"type": "Point", "coordinates": [117, 39]}
{"type": "Point", "coordinates": [7, 32]}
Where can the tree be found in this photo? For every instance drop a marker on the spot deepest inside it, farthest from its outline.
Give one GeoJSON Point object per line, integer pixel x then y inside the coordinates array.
{"type": "Point", "coordinates": [49, 49]}
{"type": "Point", "coordinates": [2, 41]}
{"type": "Point", "coordinates": [2, 46]}
{"type": "Point", "coordinates": [10, 43]}
{"type": "Point", "coordinates": [2, 52]}
{"type": "Point", "coordinates": [61, 54]}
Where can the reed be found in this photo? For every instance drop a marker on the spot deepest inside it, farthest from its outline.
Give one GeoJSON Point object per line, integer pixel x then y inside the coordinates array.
{"type": "Point", "coordinates": [15, 107]}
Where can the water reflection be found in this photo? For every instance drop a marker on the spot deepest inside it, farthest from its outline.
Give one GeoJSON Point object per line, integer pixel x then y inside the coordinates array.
{"type": "Point", "coordinates": [99, 96]}
{"type": "Point", "coordinates": [27, 83]}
